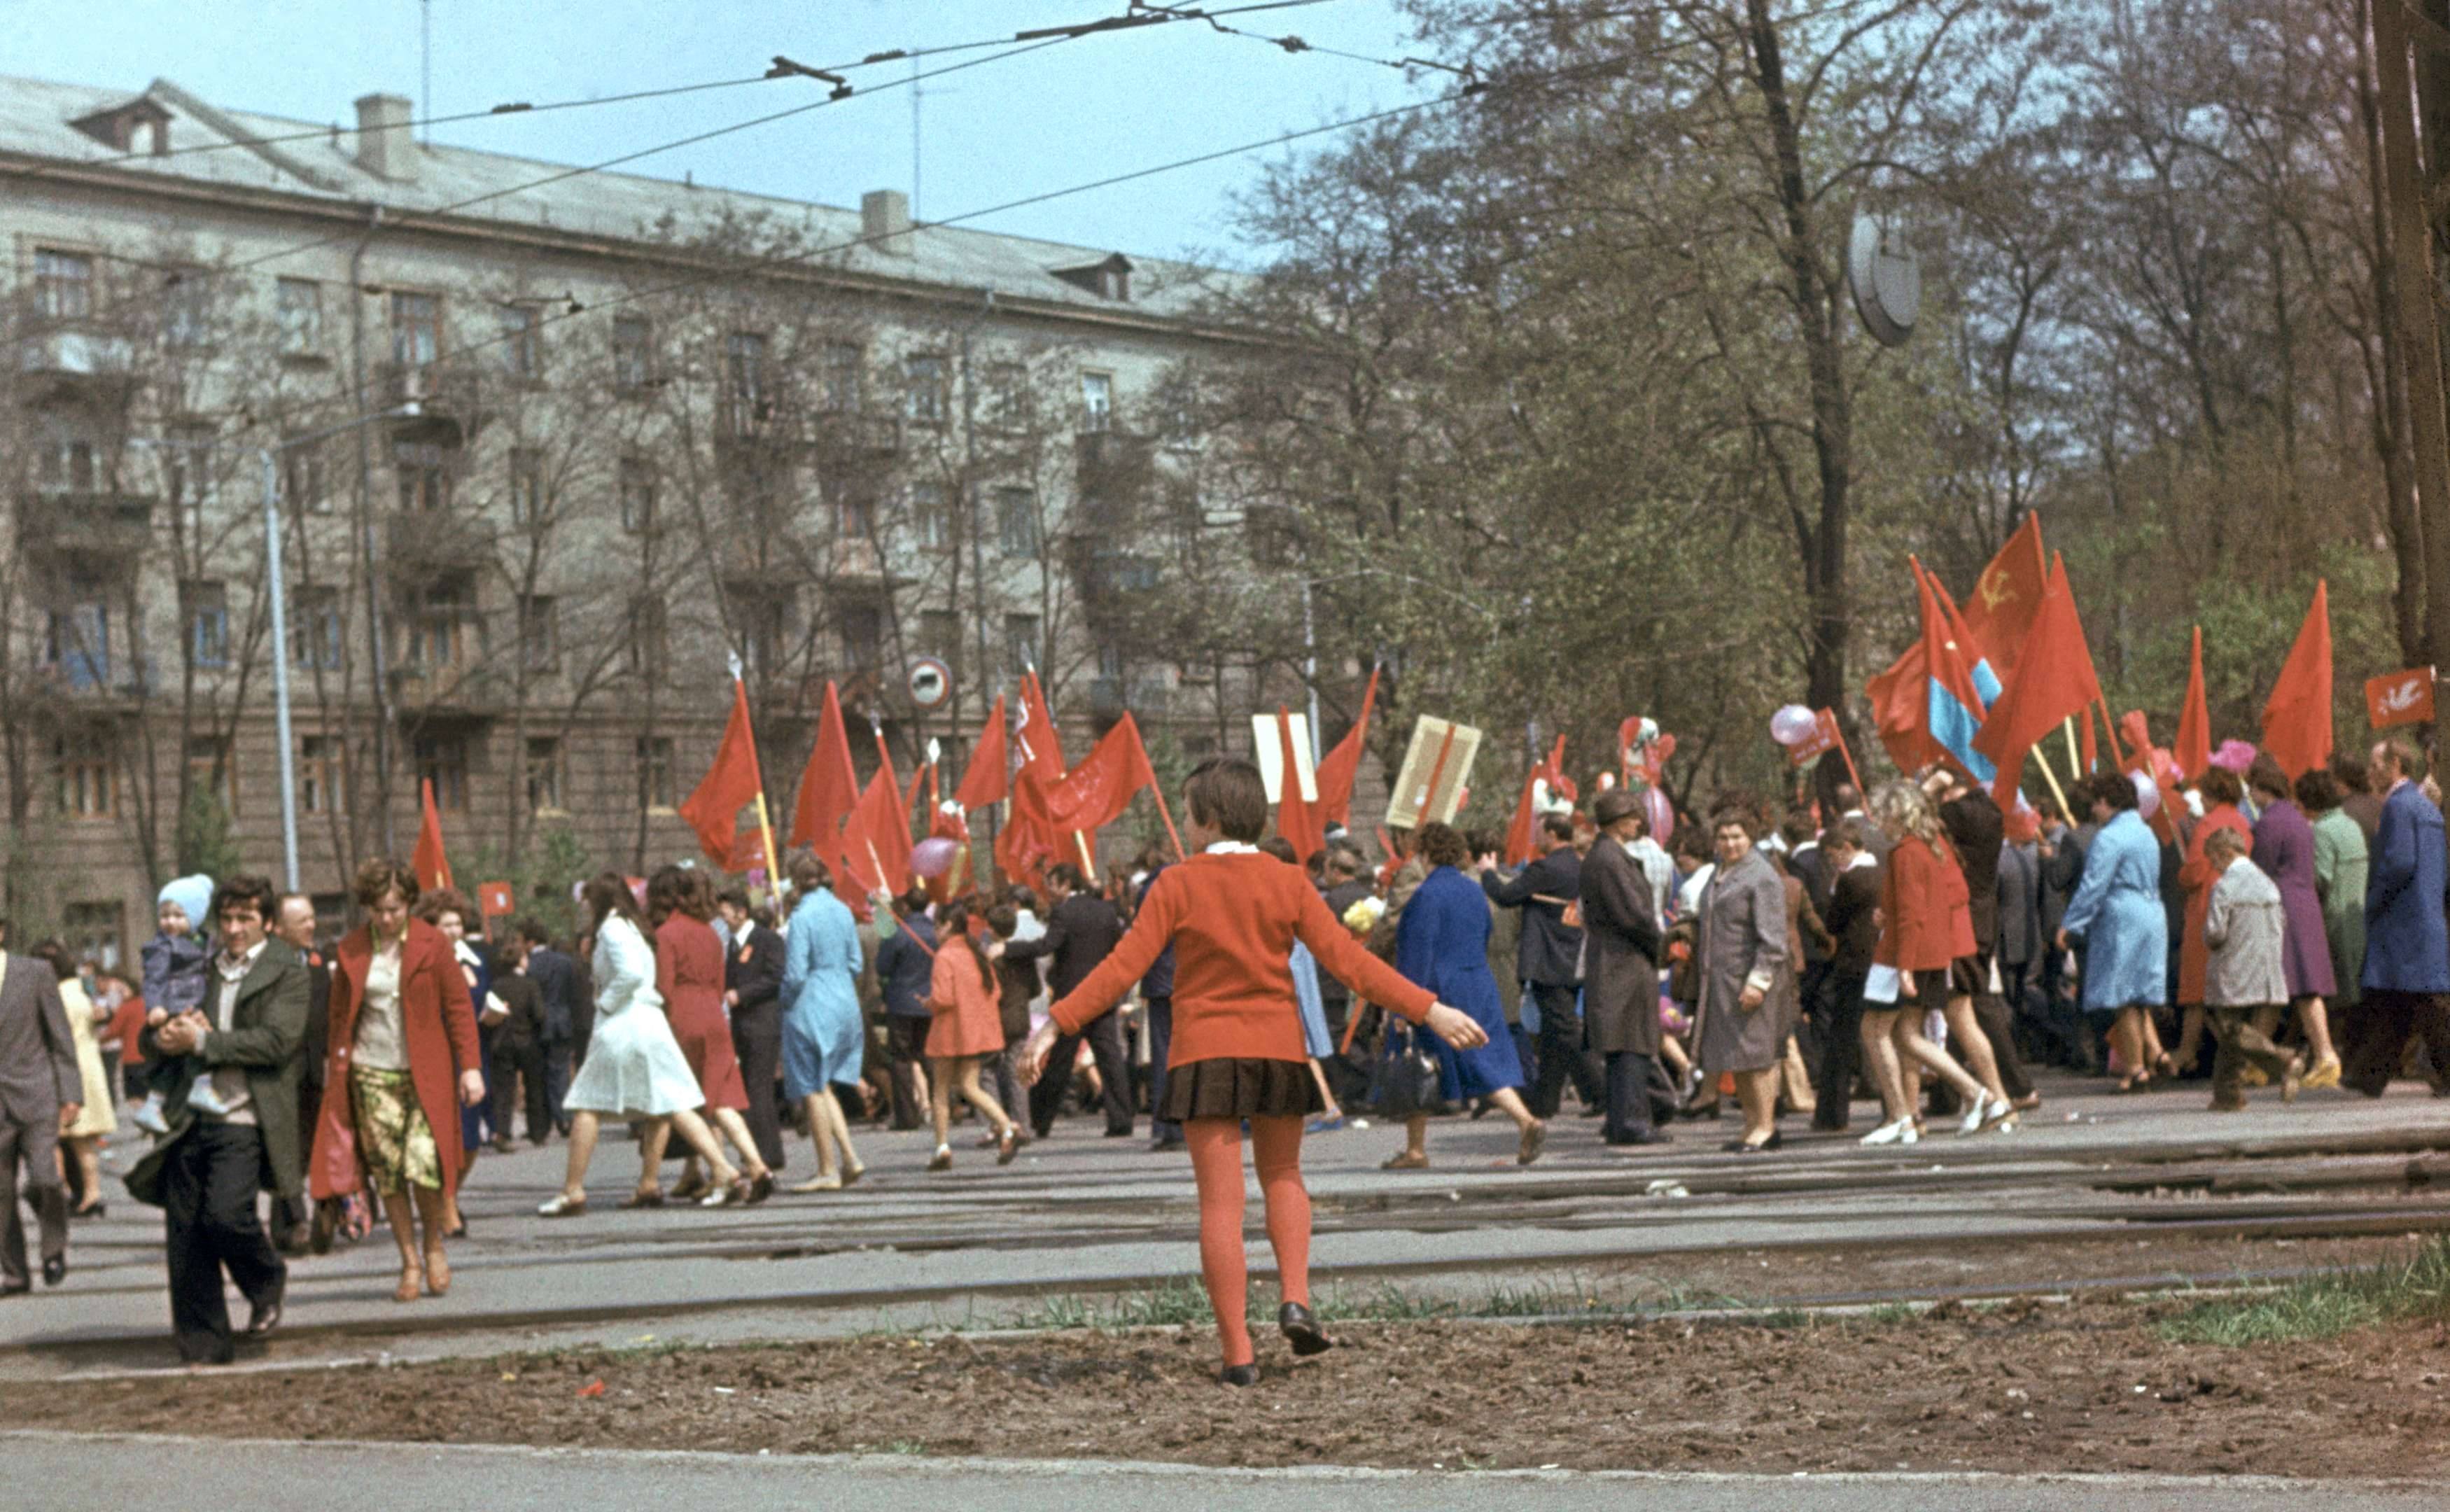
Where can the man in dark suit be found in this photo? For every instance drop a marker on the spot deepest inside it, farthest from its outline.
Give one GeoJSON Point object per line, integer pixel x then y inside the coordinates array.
{"type": "Point", "coordinates": [1854, 925]}
{"type": "Point", "coordinates": [1157, 990]}
{"type": "Point", "coordinates": [1621, 990]}
{"type": "Point", "coordinates": [557, 980]}
{"type": "Point", "coordinates": [1550, 960]}
{"type": "Point", "coordinates": [294, 923]}
{"type": "Point", "coordinates": [1081, 930]}
{"type": "Point", "coordinates": [518, 1047]}
{"type": "Point", "coordinates": [41, 1093]}
{"type": "Point", "coordinates": [203, 1175]}
{"type": "Point", "coordinates": [752, 985]}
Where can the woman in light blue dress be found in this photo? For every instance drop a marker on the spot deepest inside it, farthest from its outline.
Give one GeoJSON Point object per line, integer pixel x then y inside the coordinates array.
{"type": "Point", "coordinates": [2117, 918]}
{"type": "Point", "coordinates": [822, 1027]}
{"type": "Point", "coordinates": [634, 1067]}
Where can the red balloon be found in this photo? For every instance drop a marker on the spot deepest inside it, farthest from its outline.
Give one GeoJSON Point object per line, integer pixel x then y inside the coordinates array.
{"type": "Point", "coordinates": [933, 857]}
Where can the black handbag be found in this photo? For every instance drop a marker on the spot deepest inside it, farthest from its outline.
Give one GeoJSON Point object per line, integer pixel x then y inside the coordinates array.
{"type": "Point", "coordinates": [1408, 1075]}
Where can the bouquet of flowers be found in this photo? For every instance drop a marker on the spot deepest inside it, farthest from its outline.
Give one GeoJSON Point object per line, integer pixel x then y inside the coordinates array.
{"type": "Point", "coordinates": [1364, 915]}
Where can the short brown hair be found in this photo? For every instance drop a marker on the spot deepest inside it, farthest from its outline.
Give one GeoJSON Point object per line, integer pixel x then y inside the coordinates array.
{"type": "Point", "coordinates": [1281, 848]}
{"type": "Point", "coordinates": [242, 890]}
{"type": "Point", "coordinates": [2266, 775]}
{"type": "Point", "coordinates": [1442, 846]}
{"type": "Point", "coordinates": [2220, 786]}
{"type": "Point", "coordinates": [2225, 842]}
{"type": "Point", "coordinates": [808, 873]}
{"type": "Point", "coordinates": [2405, 754]}
{"type": "Point", "coordinates": [2318, 791]}
{"type": "Point", "coordinates": [447, 900]}
{"type": "Point", "coordinates": [382, 874]}
{"type": "Point", "coordinates": [1228, 792]}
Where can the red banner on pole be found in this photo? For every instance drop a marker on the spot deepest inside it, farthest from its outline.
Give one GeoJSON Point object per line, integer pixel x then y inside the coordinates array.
{"type": "Point", "coordinates": [1823, 739]}
{"type": "Point", "coordinates": [2399, 698]}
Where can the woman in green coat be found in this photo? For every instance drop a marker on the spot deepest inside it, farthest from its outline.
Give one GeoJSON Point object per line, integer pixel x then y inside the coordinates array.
{"type": "Point", "coordinates": [2340, 864]}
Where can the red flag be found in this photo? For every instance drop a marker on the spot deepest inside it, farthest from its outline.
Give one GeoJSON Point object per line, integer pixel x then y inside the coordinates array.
{"type": "Point", "coordinates": [1041, 750]}
{"type": "Point", "coordinates": [828, 787]}
{"type": "Point", "coordinates": [1096, 792]}
{"type": "Point", "coordinates": [2008, 597]}
{"type": "Point", "coordinates": [877, 844]}
{"type": "Point", "coordinates": [1520, 833]}
{"type": "Point", "coordinates": [1901, 695]}
{"type": "Point", "coordinates": [2194, 747]}
{"type": "Point", "coordinates": [2399, 698]}
{"type": "Point", "coordinates": [2054, 678]}
{"type": "Point", "coordinates": [2297, 718]}
{"type": "Point", "coordinates": [714, 807]}
{"type": "Point", "coordinates": [988, 778]}
{"type": "Point", "coordinates": [1341, 765]}
{"type": "Point", "coordinates": [1029, 841]}
{"type": "Point", "coordinates": [1297, 820]}
{"type": "Point", "coordinates": [432, 868]}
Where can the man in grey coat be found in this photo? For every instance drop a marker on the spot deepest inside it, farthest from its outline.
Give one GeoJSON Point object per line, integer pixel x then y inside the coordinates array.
{"type": "Point", "coordinates": [40, 1092]}
{"type": "Point", "coordinates": [1621, 941]}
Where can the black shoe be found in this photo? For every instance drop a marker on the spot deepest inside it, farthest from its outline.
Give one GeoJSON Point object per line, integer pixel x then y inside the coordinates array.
{"type": "Point", "coordinates": [15, 1288]}
{"type": "Point", "coordinates": [1164, 1144]}
{"type": "Point", "coordinates": [1302, 1330]}
{"type": "Point", "coordinates": [262, 1317]}
{"type": "Point", "coordinates": [1120, 1133]}
{"type": "Point", "coordinates": [1740, 1148]}
{"type": "Point", "coordinates": [1240, 1375]}
{"type": "Point", "coordinates": [1647, 1136]}
{"type": "Point", "coordinates": [327, 1224]}
{"type": "Point", "coordinates": [100, 1209]}
{"type": "Point", "coordinates": [1699, 1109]}
{"type": "Point", "coordinates": [55, 1270]}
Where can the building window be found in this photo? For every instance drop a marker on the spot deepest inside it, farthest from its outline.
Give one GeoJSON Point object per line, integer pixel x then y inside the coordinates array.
{"type": "Point", "coordinates": [744, 378]}
{"type": "Point", "coordinates": [443, 760]}
{"type": "Point", "coordinates": [416, 331]}
{"type": "Point", "coordinates": [638, 486]}
{"type": "Point", "coordinates": [87, 787]}
{"type": "Point", "coordinates": [76, 639]}
{"type": "Point", "coordinates": [539, 631]}
{"type": "Point", "coordinates": [862, 636]}
{"type": "Point", "coordinates": [923, 396]}
{"type": "Point", "coordinates": [527, 487]}
{"type": "Point", "coordinates": [523, 341]}
{"type": "Point", "coordinates": [1009, 405]}
{"type": "Point", "coordinates": [647, 646]}
{"type": "Point", "coordinates": [205, 608]}
{"type": "Point", "coordinates": [940, 634]}
{"type": "Point", "coordinates": [188, 309]}
{"type": "Point", "coordinates": [655, 786]}
{"type": "Point", "coordinates": [1097, 401]}
{"type": "Point", "coordinates": [94, 933]}
{"type": "Point", "coordinates": [931, 515]}
{"type": "Point", "coordinates": [840, 366]}
{"type": "Point", "coordinates": [425, 471]}
{"type": "Point", "coordinates": [1017, 521]}
{"type": "Point", "coordinates": [319, 774]}
{"type": "Point", "coordinates": [315, 630]}
{"type": "Point", "coordinates": [62, 285]}
{"type": "Point", "coordinates": [302, 480]}
{"type": "Point", "coordinates": [633, 354]}
{"type": "Point", "coordinates": [298, 310]}
{"type": "Point", "coordinates": [854, 511]}
{"type": "Point", "coordinates": [769, 625]}
{"type": "Point", "coordinates": [544, 774]}
{"type": "Point", "coordinates": [210, 769]}
{"type": "Point", "coordinates": [64, 459]}
{"type": "Point", "coordinates": [188, 463]}
{"type": "Point", "coordinates": [443, 632]}
{"type": "Point", "coordinates": [1019, 643]}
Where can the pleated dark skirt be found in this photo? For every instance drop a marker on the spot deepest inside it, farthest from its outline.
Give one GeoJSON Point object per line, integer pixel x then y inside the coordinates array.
{"type": "Point", "coordinates": [1240, 1089]}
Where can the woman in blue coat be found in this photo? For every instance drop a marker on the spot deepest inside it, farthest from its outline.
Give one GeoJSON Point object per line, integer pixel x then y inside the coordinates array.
{"type": "Point", "coordinates": [2116, 913]}
{"type": "Point", "coordinates": [1442, 943]}
{"type": "Point", "coordinates": [822, 1027]}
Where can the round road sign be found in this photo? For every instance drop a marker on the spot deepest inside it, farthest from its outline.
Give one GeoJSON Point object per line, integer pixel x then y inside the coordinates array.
{"type": "Point", "coordinates": [930, 682]}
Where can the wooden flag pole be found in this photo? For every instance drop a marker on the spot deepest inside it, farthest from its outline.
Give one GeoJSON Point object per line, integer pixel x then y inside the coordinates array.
{"type": "Point", "coordinates": [1437, 770]}
{"type": "Point", "coordinates": [766, 833]}
{"type": "Point", "coordinates": [1852, 775]}
{"type": "Point", "coordinates": [2051, 778]}
{"type": "Point", "coordinates": [1081, 843]}
{"type": "Point", "coordinates": [1156, 790]}
{"type": "Point", "coordinates": [2075, 752]}
{"type": "Point", "coordinates": [904, 924]}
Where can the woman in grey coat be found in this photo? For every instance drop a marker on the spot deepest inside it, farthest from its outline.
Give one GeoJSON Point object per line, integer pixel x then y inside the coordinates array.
{"type": "Point", "coordinates": [1747, 981]}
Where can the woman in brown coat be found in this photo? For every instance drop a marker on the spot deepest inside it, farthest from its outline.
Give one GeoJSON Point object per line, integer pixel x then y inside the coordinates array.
{"type": "Point", "coordinates": [403, 1042]}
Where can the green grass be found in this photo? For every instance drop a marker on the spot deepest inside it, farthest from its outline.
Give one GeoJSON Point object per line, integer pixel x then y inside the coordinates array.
{"type": "Point", "coordinates": [2323, 1306]}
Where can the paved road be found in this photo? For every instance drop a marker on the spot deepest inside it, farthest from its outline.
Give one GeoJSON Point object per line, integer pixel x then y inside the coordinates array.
{"type": "Point", "coordinates": [1081, 1211]}
{"type": "Point", "coordinates": [63, 1473]}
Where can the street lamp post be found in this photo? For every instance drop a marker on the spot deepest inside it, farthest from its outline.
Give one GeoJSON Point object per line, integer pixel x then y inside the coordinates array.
{"type": "Point", "coordinates": [269, 456]}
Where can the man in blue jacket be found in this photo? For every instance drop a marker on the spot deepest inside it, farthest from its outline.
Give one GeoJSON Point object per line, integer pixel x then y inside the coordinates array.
{"type": "Point", "coordinates": [2407, 940]}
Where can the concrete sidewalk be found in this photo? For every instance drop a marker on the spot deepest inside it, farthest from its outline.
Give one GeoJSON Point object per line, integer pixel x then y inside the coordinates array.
{"type": "Point", "coordinates": [74, 1473]}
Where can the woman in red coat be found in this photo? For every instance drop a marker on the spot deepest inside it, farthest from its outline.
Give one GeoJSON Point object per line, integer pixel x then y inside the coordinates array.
{"type": "Point", "coordinates": [966, 1030]}
{"type": "Point", "coordinates": [403, 1042]}
{"type": "Point", "coordinates": [1926, 928]}
{"type": "Point", "coordinates": [689, 973]}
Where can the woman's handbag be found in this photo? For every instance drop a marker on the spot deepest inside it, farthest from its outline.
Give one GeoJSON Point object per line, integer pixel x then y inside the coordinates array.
{"type": "Point", "coordinates": [1408, 1074]}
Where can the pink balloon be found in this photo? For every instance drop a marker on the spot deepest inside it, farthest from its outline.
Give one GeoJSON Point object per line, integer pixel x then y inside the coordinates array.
{"type": "Point", "coordinates": [1660, 812]}
{"type": "Point", "coordinates": [2147, 794]}
{"type": "Point", "coordinates": [933, 857]}
{"type": "Point", "coordinates": [1792, 725]}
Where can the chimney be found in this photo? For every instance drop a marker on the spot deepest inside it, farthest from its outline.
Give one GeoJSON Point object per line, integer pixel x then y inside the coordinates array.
{"type": "Point", "coordinates": [385, 149]}
{"type": "Point", "coordinates": [884, 222]}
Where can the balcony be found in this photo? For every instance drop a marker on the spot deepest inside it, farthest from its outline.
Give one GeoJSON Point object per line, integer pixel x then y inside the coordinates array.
{"type": "Point", "coordinates": [70, 353]}
{"type": "Point", "coordinates": [450, 401]}
{"type": "Point", "coordinates": [463, 691]}
{"type": "Point", "coordinates": [850, 434]}
{"type": "Point", "coordinates": [421, 544]}
{"type": "Point", "coordinates": [86, 523]}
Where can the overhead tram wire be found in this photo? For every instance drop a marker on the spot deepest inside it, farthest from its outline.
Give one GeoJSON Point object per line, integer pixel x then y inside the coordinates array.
{"type": "Point", "coordinates": [803, 260]}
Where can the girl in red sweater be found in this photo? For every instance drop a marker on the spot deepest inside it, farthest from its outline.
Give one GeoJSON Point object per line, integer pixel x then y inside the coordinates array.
{"type": "Point", "coordinates": [1232, 914]}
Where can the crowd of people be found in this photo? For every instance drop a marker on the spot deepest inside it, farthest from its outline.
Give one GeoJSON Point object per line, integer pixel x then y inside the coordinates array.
{"type": "Point", "coordinates": [1922, 950]}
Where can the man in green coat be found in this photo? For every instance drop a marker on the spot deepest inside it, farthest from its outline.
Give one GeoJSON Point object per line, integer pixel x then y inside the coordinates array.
{"type": "Point", "coordinates": [236, 1132]}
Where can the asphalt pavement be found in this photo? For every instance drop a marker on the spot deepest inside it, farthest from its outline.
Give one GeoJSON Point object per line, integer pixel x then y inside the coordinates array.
{"type": "Point", "coordinates": [70, 1473]}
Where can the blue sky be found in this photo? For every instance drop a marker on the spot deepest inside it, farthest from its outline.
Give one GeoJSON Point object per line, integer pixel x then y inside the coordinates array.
{"type": "Point", "coordinates": [1099, 106]}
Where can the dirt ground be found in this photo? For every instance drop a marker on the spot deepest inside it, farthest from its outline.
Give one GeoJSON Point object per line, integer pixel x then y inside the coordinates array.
{"type": "Point", "coordinates": [2022, 1388]}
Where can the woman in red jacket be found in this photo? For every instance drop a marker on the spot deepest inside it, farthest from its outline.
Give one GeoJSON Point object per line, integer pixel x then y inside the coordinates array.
{"type": "Point", "coordinates": [1926, 928]}
{"type": "Point", "coordinates": [400, 1024]}
{"type": "Point", "coordinates": [1232, 914]}
{"type": "Point", "coordinates": [688, 973]}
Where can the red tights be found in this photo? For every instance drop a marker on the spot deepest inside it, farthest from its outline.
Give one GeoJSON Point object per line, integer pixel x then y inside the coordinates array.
{"type": "Point", "coordinates": [1216, 1146]}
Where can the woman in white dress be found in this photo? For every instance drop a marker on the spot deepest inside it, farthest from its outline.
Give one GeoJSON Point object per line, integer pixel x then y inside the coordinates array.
{"type": "Point", "coordinates": [634, 1067]}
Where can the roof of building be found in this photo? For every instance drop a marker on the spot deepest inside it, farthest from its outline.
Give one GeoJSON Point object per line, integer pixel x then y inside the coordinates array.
{"type": "Point", "coordinates": [41, 117]}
